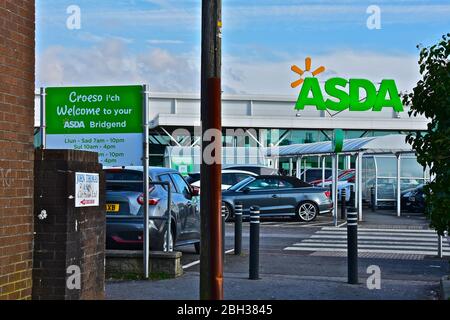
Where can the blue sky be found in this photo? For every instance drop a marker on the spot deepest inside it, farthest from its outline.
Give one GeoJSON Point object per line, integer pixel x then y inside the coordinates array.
{"type": "Point", "coordinates": [158, 42]}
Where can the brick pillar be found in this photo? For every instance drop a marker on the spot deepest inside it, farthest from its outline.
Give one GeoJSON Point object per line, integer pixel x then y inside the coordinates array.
{"type": "Point", "coordinates": [16, 147]}
{"type": "Point", "coordinates": [68, 236]}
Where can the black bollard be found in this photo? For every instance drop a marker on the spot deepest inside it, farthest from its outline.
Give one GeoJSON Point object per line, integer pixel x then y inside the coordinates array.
{"type": "Point", "coordinates": [254, 243]}
{"type": "Point", "coordinates": [352, 245]}
{"type": "Point", "coordinates": [372, 199]}
{"type": "Point", "coordinates": [238, 228]}
{"type": "Point", "coordinates": [343, 204]}
{"type": "Point", "coordinates": [223, 232]}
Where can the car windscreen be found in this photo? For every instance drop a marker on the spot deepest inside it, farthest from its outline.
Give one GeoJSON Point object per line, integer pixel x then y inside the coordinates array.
{"type": "Point", "coordinates": [242, 183]}
{"type": "Point", "coordinates": [124, 180]}
{"type": "Point", "coordinates": [192, 177]}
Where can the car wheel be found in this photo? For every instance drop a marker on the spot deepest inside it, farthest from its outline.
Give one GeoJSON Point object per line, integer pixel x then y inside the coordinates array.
{"type": "Point", "coordinates": [307, 211]}
{"type": "Point", "coordinates": [197, 247]}
{"type": "Point", "coordinates": [170, 241]}
{"type": "Point", "coordinates": [228, 212]}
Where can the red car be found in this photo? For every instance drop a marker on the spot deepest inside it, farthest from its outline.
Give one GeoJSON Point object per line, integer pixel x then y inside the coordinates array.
{"type": "Point", "coordinates": [344, 175]}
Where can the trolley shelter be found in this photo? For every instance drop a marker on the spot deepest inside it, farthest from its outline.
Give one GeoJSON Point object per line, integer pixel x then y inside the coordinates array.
{"type": "Point", "coordinates": [387, 163]}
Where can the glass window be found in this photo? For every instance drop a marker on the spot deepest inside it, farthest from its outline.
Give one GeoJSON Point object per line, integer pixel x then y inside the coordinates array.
{"type": "Point", "coordinates": [387, 166]}
{"type": "Point", "coordinates": [181, 185]}
{"type": "Point", "coordinates": [409, 167]}
{"type": "Point", "coordinates": [386, 188]}
{"type": "Point", "coordinates": [263, 184]}
{"type": "Point", "coordinates": [284, 184]}
{"type": "Point", "coordinates": [353, 134]}
{"type": "Point", "coordinates": [228, 178]}
{"type": "Point", "coordinates": [119, 174]}
{"type": "Point", "coordinates": [166, 178]}
{"type": "Point", "coordinates": [241, 176]}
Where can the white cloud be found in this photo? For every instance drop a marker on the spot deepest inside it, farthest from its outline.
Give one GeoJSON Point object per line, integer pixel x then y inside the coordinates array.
{"type": "Point", "coordinates": [111, 62]}
{"type": "Point", "coordinates": [164, 41]}
{"type": "Point", "coordinates": [263, 77]}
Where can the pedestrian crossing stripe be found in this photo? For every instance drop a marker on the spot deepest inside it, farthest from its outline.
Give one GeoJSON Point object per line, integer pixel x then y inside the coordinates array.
{"type": "Point", "coordinates": [382, 241]}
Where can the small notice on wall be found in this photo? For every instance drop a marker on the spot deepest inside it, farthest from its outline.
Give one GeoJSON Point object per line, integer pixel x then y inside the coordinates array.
{"type": "Point", "coordinates": [86, 190]}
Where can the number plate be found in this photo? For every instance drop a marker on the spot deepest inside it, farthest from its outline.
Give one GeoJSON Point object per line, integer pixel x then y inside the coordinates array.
{"type": "Point", "coordinates": [112, 207]}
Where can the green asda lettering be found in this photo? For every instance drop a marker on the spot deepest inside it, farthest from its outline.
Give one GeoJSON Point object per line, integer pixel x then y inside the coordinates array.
{"type": "Point", "coordinates": [353, 94]}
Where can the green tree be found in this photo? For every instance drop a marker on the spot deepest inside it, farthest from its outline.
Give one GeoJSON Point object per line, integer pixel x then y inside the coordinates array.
{"type": "Point", "coordinates": [431, 97]}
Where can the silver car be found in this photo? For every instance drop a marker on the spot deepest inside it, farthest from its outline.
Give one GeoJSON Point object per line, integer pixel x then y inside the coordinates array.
{"type": "Point", "coordinates": [125, 206]}
{"type": "Point", "coordinates": [278, 196]}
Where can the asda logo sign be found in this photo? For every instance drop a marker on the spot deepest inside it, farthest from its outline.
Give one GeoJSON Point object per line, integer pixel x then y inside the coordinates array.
{"type": "Point", "coordinates": [342, 94]}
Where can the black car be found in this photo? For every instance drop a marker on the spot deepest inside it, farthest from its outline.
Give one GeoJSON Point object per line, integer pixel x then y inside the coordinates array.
{"type": "Point", "coordinates": [125, 209]}
{"type": "Point", "coordinates": [413, 200]}
{"type": "Point", "coordinates": [278, 196]}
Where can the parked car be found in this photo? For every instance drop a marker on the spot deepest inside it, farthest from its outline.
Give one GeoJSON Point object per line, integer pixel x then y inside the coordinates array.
{"type": "Point", "coordinates": [346, 180]}
{"type": "Point", "coordinates": [314, 174]}
{"type": "Point", "coordinates": [413, 200]}
{"type": "Point", "coordinates": [125, 209]}
{"type": "Point", "coordinates": [229, 178]}
{"type": "Point", "coordinates": [256, 169]}
{"type": "Point", "coordinates": [278, 196]}
{"type": "Point", "coordinates": [344, 175]}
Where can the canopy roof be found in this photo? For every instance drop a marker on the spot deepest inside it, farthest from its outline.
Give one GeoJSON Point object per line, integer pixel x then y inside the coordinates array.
{"type": "Point", "coordinates": [374, 145]}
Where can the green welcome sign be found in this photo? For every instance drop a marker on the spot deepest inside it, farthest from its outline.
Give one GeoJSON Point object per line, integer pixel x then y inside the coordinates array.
{"type": "Point", "coordinates": [107, 120]}
{"type": "Point", "coordinates": [347, 94]}
{"type": "Point", "coordinates": [94, 110]}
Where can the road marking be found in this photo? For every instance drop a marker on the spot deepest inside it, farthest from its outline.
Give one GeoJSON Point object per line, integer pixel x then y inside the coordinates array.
{"type": "Point", "coordinates": [374, 238]}
{"type": "Point", "coordinates": [198, 261]}
{"type": "Point", "coordinates": [342, 224]}
{"type": "Point", "coordinates": [427, 253]}
{"type": "Point", "coordinates": [362, 246]}
{"type": "Point", "coordinates": [373, 233]}
{"type": "Point", "coordinates": [430, 244]}
{"type": "Point", "coordinates": [191, 264]}
{"type": "Point", "coordinates": [370, 240]}
{"type": "Point", "coordinates": [386, 230]}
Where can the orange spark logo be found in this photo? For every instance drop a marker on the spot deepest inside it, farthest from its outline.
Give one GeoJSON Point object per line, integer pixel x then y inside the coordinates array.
{"type": "Point", "coordinates": [300, 72]}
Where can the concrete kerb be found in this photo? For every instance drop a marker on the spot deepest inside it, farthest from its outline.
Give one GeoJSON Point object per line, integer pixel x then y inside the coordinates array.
{"type": "Point", "coordinates": [125, 263]}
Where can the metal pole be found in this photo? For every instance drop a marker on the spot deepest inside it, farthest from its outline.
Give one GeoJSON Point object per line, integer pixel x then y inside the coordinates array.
{"type": "Point", "coordinates": [399, 209]}
{"type": "Point", "coordinates": [238, 228]}
{"type": "Point", "coordinates": [291, 167]}
{"type": "Point", "coordinates": [223, 232]}
{"type": "Point", "coordinates": [254, 243]}
{"type": "Point", "coordinates": [304, 169]}
{"type": "Point", "coordinates": [43, 95]}
{"type": "Point", "coordinates": [352, 246]}
{"type": "Point", "coordinates": [440, 251]}
{"type": "Point", "coordinates": [372, 199]}
{"type": "Point", "coordinates": [335, 189]}
{"type": "Point", "coordinates": [146, 182]}
{"type": "Point", "coordinates": [211, 263]}
{"type": "Point", "coordinates": [360, 211]}
{"type": "Point", "coordinates": [323, 171]}
{"type": "Point", "coordinates": [343, 203]}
